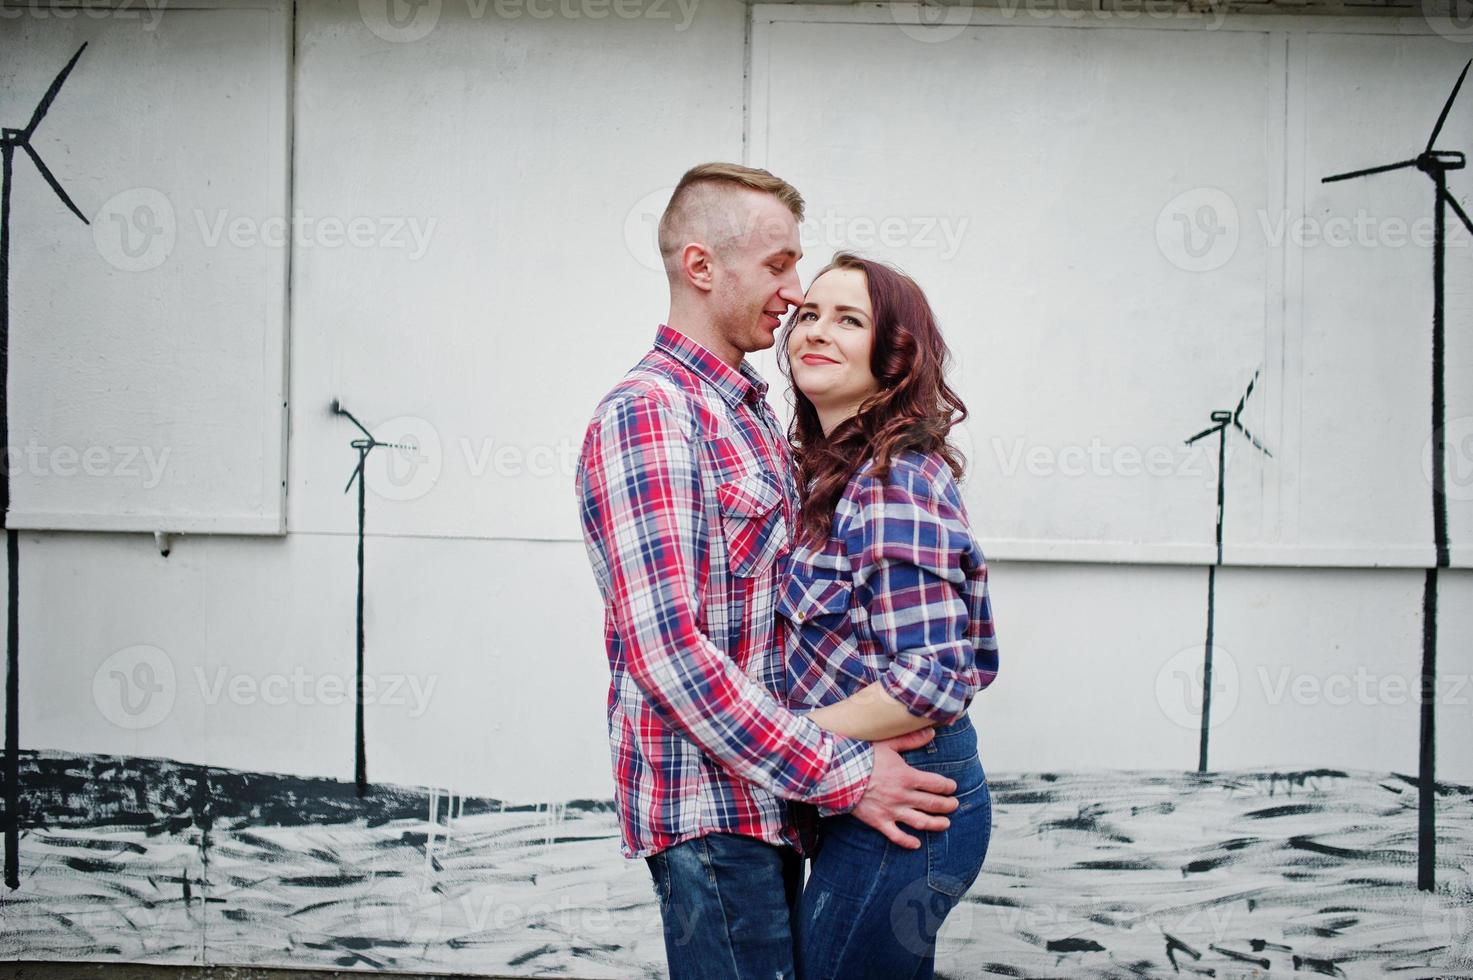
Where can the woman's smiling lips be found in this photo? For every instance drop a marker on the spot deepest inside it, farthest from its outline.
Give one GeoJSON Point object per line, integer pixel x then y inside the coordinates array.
{"type": "Point", "coordinates": [817, 359]}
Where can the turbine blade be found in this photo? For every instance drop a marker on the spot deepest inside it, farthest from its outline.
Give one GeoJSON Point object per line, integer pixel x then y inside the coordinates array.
{"type": "Point", "coordinates": [50, 178]}
{"type": "Point", "coordinates": [1369, 170]}
{"type": "Point", "coordinates": [351, 418]}
{"type": "Point", "coordinates": [1458, 210]}
{"type": "Point", "coordinates": [50, 96]}
{"type": "Point", "coordinates": [1251, 438]}
{"type": "Point", "coordinates": [1203, 434]}
{"type": "Point", "coordinates": [357, 471]}
{"type": "Point", "coordinates": [1447, 107]}
{"type": "Point", "coordinates": [1244, 400]}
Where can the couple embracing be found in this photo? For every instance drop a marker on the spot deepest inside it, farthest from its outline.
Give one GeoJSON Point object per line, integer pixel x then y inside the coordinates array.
{"type": "Point", "coordinates": [795, 622]}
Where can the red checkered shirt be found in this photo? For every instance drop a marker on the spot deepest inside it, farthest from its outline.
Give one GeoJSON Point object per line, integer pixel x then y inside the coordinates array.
{"type": "Point", "coordinates": [687, 497]}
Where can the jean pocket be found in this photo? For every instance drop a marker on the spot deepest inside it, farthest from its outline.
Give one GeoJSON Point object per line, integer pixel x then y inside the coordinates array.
{"type": "Point", "coordinates": [660, 877]}
{"type": "Point", "coordinates": [954, 856]}
{"type": "Point", "coordinates": [752, 522]}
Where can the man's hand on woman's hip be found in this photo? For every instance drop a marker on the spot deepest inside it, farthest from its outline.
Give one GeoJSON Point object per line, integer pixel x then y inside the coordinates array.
{"type": "Point", "coordinates": [899, 794]}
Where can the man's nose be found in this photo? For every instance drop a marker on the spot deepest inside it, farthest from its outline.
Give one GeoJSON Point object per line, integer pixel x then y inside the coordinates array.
{"type": "Point", "coordinates": [789, 291]}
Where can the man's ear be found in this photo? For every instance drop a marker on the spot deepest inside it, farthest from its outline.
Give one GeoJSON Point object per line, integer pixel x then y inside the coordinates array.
{"type": "Point", "coordinates": [696, 264]}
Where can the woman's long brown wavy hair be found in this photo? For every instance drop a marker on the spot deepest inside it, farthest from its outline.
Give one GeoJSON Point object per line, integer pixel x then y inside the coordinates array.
{"type": "Point", "coordinates": [914, 409]}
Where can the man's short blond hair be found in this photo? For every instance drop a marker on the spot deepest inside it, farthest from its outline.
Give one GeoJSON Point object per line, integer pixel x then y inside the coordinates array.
{"type": "Point", "coordinates": [699, 203]}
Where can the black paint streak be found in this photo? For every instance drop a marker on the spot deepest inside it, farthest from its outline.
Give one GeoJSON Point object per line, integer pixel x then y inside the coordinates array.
{"type": "Point", "coordinates": [1118, 864]}
{"type": "Point", "coordinates": [530, 955]}
{"type": "Point", "coordinates": [10, 141]}
{"type": "Point", "coordinates": [1290, 810]}
{"type": "Point", "coordinates": [1379, 855]}
{"type": "Point", "coordinates": [1204, 864]}
{"type": "Point", "coordinates": [160, 796]}
{"type": "Point", "coordinates": [1088, 821]}
{"type": "Point", "coordinates": [1074, 945]}
{"type": "Point", "coordinates": [1222, 420]}
{"type": "Point", "coordinates": [1173, 946]}
{"type": "Point", "coordinates": [1314, 965]}
{"type": "Point", "coordinates": [364, 446]}
{"type": "Point", "coordinates": [1302, 778]}
{"type": "Point", "coordinates": [1435, 164]}
{"type": "Point", "coordinates": [1241, 957]}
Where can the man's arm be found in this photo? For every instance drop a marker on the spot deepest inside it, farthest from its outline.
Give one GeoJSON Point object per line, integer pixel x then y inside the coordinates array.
{"type": "Point", "coordinates": [641, 511]}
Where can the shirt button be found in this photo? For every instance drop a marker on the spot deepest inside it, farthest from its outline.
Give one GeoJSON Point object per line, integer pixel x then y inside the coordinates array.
{"type": "Point", "coordinates": [800, 615]}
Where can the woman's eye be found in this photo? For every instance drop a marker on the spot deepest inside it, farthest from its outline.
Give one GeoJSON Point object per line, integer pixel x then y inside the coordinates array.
{"type": "Point", "coordinates": [807, 315]}
{"type": "Point", "coordinates": [851, 321]}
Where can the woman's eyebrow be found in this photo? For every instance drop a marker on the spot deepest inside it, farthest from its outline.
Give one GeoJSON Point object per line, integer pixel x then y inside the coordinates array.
{"type": "Point", "coordinates": [840, 307]}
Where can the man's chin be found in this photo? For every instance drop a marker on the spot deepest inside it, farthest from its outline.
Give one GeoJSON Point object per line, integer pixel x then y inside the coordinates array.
{"type": "Point", "coordinates": [759, 340]}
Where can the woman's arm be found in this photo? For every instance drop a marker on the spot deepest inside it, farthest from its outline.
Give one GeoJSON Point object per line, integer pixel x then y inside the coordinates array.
{"type": "Point", "coordinates": [906, 539]}
{"type": "Point", "coordinates": [870, 714]}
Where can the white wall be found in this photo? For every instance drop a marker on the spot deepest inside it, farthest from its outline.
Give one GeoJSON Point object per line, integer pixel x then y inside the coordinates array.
{"type": "Point", "coordinates": [531, 153]}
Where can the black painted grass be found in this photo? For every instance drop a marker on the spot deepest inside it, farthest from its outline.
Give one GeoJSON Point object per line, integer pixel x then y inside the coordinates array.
{"type": "Point", "coordinates": [1099, 874]}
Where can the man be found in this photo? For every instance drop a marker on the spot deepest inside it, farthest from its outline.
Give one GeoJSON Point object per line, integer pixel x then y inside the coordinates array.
{"type": "Point", "coordinates": [687, 499]}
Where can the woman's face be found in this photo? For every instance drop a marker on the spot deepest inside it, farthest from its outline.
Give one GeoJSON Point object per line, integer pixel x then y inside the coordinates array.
{"type": "Point", "coordinates": [830, 344]}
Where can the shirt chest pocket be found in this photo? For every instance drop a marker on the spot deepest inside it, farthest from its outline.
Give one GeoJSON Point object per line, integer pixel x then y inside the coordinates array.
{"type": "Point", "coordinates": [821, 604]}
{"type": "Point", "coordinates": [752, 522]}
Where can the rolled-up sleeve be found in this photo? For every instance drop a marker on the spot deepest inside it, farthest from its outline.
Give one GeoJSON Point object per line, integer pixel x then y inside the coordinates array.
{"type": "Point", "coordinates": [908, 546]}
{"type": "Point", "coordinates": [645, 528]}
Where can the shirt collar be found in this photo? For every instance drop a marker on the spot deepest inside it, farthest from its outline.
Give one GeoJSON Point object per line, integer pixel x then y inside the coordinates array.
{"type": "Point", "coordinates": [735, 385]}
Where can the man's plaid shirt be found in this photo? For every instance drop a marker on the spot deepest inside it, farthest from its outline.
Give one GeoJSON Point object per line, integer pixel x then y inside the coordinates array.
{"type": "Point", "coordinates": [687, 497]}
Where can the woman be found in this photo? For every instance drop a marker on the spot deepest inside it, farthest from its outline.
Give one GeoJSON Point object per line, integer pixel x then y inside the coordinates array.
{"type": "Point", "coordinates": [887, 620]}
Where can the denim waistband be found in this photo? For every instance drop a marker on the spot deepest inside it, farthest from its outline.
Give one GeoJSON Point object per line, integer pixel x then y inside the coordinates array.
{"type": "Point", "coordinates": [952, 742]}
{"type": "Point", "coordinates": [962, 726]}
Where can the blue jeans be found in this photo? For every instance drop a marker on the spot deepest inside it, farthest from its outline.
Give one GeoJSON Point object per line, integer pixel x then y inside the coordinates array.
{"type": "Point", "coordinates": [727, 903]}
{"type": "Point", "coordinates": [872, 909]}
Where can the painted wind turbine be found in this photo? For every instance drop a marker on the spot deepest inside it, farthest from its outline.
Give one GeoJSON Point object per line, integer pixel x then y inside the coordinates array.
{"type": "Point", "coordinates": [364, 446]}
{"type": "Point", "coordinates": [12, 140]}
{"type": "Point", "coordinates": [1222, 420]}
{"type": "Point", "coordinates": [1435, 164]}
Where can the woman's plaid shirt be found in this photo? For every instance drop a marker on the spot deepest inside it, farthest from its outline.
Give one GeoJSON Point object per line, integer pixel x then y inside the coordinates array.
{"type": "Point", "coordinates": [897, 595]}
{"type": "Point", "coordinates": [687, 496]}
